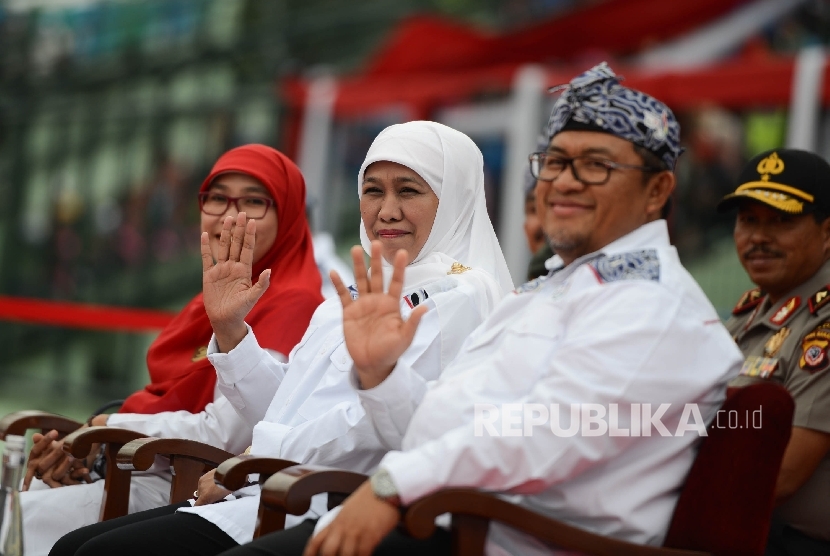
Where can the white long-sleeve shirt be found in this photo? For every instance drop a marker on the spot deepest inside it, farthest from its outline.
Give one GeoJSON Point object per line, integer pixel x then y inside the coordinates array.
{"type": "Point", "coordinates": [307, 410]}
{"type": "Point", "coordinates": [45, 519]}
{"type": "Point", "coordinates": [218, 424]}
{"type": "Point", "coordinates": [623, 327]}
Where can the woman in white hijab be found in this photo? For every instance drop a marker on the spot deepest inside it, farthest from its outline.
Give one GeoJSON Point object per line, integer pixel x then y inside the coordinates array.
{"type": "Point", "coordinates": [421, 189]}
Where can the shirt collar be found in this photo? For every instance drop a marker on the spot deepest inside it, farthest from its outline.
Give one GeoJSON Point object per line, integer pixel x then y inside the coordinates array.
{"type": "Point", "coordinates": [653, 234]}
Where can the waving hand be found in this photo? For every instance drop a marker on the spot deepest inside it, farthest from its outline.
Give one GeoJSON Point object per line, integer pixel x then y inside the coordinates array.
{"type": "Point", "coordinates": [376, 335]}
{"type": "Point", "coordinates": [228, 292]}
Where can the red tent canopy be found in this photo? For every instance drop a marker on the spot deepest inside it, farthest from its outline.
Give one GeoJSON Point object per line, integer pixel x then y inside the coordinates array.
{"type": "Point", "coordinates": [619, 27]}
{"type": "Point", "coordinates": [429, 63]}
{"type": "Point", "coordinates": [741, 83]}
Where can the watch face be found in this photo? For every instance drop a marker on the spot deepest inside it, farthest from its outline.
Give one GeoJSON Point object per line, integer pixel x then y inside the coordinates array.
{"type": "Point", "coordinates": [382, 485]}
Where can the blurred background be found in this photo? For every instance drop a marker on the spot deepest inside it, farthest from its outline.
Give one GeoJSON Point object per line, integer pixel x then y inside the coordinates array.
{"type": "Point", "coordinates": [112, 112]}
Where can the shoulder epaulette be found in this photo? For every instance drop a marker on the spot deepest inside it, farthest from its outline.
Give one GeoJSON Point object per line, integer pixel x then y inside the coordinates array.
{"type": "Point", "coordinates": [749, 300]}
{"type": "Point", "coordinates": [636, 265]}
{"type": "Point", "coordinates": [819, 299]}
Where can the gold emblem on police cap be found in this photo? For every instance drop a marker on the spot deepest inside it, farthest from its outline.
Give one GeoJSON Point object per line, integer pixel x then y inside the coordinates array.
{"type": "Point", "coordinates": [774, 344]}
{"type": "Point", "coordinates": [770, 165]}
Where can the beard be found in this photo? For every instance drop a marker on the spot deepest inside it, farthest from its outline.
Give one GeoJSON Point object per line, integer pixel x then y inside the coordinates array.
{"type": "Point", "coordinates": [564, 242]}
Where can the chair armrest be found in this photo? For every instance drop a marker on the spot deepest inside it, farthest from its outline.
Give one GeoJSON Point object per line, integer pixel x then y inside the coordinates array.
{"type": "Point", "coordinates": [19, 422]}
{"type": "Point", "coordinates": [117, 482]}
{"type": "Point", "coordinates": [233, 473]}
{"type": "Point", "coordinates": [290, 491]}
{"type": "Point", "coordinates": [473, 510]}
{"type": "Point", "coordinates": [80, 442]}
{"type": "Point", "coordinates": [189, 460]}
{"type": "Point", "coordinates": [139, 454]}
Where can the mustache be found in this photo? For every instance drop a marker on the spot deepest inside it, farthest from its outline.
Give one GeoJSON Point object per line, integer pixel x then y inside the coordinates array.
{"type": "Point", "coordinates": [762, 250]}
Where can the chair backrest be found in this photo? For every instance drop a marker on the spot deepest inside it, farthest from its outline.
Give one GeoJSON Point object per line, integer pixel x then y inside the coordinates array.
{"type": "Point", "coordinates": [726, 504]}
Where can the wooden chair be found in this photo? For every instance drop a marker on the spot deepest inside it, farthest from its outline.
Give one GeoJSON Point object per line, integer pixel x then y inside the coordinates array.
{"type": "Point", "coordinates": [723, 509]}
{"type": "Point", "coordinates": [189, 460]}
{"type": "Point", "coordinates": [79, 442]}
{"type": "Point", "coordinates": [20, 422]}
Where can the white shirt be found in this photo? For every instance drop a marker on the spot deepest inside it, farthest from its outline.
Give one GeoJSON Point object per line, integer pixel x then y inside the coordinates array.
{"type": "Point", "coordinates": [581, 336]}
{"type": "Point", "coordinates": [45, 518]}
{"type": "Point", "coordinates": [217, 424]}
{"type": "Point", "coordinates": [307, 410]}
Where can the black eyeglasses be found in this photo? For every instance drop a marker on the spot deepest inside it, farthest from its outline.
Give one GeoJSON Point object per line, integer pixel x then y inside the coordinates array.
{"type": "Point", "coordinates": [588, 170]}
{"type": "Point", "coordinates": [216, 204]}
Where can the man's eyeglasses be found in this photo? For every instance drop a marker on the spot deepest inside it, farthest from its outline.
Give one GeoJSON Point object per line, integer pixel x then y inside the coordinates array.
{"type": "Point", "coordinates": [216, 204]}
{"type": "Point", "coordinates": [588, 170]}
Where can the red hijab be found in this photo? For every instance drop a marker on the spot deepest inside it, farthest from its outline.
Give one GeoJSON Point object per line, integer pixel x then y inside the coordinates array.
{"type": "Point", "coordinates": [181, 376]}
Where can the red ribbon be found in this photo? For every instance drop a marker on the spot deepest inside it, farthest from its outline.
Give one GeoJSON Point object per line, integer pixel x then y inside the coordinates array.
{"type": "Point", "coordinates": [81, 315]}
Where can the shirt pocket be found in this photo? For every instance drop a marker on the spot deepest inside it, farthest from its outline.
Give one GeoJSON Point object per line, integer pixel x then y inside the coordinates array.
{"type": "Point", "coordinates": [340, 358]}
{"type": "Point", "coordinates": [309, 332]}
{"type": "Point", "coordinates": [543, 324]}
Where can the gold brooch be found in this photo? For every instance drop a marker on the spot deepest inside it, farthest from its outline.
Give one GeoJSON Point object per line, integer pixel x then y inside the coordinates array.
{"type": "Point", "coordinates": [199, 354]}
{"type": "Point", "coordinates": [458, 268]}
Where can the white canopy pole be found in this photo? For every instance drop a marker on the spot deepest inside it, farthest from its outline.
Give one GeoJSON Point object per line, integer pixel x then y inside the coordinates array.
{"type": "Point", "coordinates": [712, 42]}
{"type": "Point", "coordinates": [525, 125]}
{"type": "Point", "coordinates": [315, 138]}
{"type": "Point", "coordinates": [805, 100]}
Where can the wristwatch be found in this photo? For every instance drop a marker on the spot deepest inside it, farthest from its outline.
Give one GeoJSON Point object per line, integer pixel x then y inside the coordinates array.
{"type": "Point", "coordinates": [384, 488]}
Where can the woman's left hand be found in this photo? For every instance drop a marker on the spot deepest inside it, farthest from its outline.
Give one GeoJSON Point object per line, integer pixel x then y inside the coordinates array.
{"type": "Point", "coordinates": [227, 289]}
{"type": "Point", "coordinates": [376, 335]}
{"type": "Point", "coordinates": [208, 491]}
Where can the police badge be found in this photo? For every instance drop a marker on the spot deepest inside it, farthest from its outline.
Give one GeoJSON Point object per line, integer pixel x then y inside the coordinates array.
{"type": "Point", "coordinates": [814, 349]}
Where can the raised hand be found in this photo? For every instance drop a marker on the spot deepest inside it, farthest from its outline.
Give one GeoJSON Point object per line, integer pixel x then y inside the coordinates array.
{"type": "Point", "coordinates": [375, 333]}
{"type": "Point", "coordinates": [228, 291]}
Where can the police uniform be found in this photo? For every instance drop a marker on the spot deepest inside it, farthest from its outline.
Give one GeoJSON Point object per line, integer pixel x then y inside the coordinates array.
{"type": "Point", "coordinates": [789, 341]}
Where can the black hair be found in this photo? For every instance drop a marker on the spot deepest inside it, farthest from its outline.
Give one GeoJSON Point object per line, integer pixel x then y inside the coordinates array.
{"type": "Point", "coordinates": [657, 165]}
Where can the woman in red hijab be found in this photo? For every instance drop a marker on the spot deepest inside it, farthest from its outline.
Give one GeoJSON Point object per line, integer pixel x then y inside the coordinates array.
{"type": "Point", "coordinates": [181, 400]}
{"type": "Point", "coordinates": [182, 377]}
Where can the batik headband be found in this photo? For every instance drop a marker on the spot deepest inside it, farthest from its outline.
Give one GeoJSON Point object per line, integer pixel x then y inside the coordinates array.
{"type": "Point", "coordinates": [596, 100]}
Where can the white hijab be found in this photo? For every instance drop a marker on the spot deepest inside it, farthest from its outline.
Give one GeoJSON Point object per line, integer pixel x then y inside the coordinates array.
{"type": "Point", "coordinates": [453, 167]}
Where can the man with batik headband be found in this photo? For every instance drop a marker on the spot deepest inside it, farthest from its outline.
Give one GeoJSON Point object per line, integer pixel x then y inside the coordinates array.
{"type": "Point", "coordinates": [617, 323]}
{"type": "Point", "coordinates": [782, 234]}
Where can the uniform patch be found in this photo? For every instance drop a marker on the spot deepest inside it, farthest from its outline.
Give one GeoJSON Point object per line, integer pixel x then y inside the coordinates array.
{"type": "Point", "coordinates": [533, 285]}
{"type": "Point", "coordinates": [749, 300]}
{"type": "Point", "coordinates": [814, 356]}
{"type": "Point", "coordinates": [636, 265]}
{"type": "Point", "coordinates": [786, 311]}
{"type": "Point", "coordinates": [762, 367]}
{"type": "Point", "coordinates": [353, 291]}
{"type": "Point", "coordinates": [416, 298]}
{"type": "Point", "coordinates": [819, 299]}
{"type": "Point", "coordinates": [775, 342]}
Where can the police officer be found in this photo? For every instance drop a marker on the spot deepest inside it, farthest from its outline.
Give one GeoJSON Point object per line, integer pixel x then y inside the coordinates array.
{"type": "Point", "coordinates": [782, 234]}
